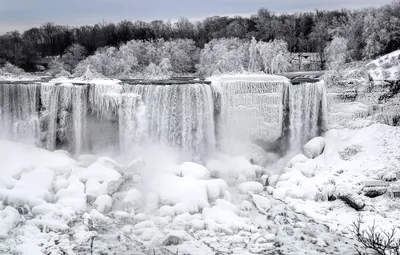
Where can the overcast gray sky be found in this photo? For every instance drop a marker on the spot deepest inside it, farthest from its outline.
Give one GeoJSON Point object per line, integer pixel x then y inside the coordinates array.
{"type": "Point", "coordinates": [24, 14]}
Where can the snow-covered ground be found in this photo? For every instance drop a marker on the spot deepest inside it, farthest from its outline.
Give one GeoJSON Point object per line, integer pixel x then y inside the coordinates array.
{"type": "Point", "coordinates": [52, 203]}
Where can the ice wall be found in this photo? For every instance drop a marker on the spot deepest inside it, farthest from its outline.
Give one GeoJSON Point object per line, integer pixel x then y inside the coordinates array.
{"type": "Point", "coordinates": [250, 108]}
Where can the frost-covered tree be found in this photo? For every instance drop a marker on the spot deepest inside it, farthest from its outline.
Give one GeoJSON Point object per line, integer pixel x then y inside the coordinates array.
{"type": "Point", "coordinates": [132, 59]}
{"type": "Point", "coordinates": [237, 56]}
{"type": "Point", "coordinates": [253, 56]}
{"type": "Point", "coordinates": [73, 55]}
{"type": "Point", "coordinates": [275, 56]}
{"type": "Point", "coordinates": [336, 52]}
{"type": "Point", "coordinates": [224, 56]}
{"type": "Point", "coordinates": [166, 68]}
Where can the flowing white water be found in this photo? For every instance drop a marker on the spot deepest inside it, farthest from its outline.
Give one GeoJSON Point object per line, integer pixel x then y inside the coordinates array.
{"type": "Point", "coordinates": [180, 116]}
{"type": "Point", "coordinates": [18, 112]}
{"type": "Point", "coordinates": [132, 122]}
{"type": "Point", "coordinates": [307, 112]}
{"type": "Point", "coordinates": [50, 95]}
{"type": "Point", "coordinates": [79, 113]}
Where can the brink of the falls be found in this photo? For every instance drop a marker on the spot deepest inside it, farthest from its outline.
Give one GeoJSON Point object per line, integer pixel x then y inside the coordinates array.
{"type": "Point", "coordinates": [195, 118]}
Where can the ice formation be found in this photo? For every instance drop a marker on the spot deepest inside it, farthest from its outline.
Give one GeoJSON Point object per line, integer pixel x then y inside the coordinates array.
{"type": "Point", "coordinates": [82, 116]}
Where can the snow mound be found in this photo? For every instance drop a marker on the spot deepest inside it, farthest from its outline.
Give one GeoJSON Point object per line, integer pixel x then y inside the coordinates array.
{"type": "Point", "coordinates": [103, 204]}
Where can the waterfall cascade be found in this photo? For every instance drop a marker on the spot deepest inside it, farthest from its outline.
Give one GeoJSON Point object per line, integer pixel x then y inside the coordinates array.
{"type": "Point", "coordinates": [82, 117]}
{"type": "Point", "coordinates": [307, 106]}
{"type": "Point", "coordinates": [19, 118]}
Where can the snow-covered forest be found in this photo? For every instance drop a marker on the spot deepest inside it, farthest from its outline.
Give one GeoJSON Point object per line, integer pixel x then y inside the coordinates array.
{"type": "Point", "coordinates": [367, 33]}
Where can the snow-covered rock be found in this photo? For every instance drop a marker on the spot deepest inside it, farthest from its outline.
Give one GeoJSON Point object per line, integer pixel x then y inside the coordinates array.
{"type": "Point", "coordinates": [102, 171]}
{"type": "Point", "coordinates": [9, 218]}
{"type": "Point", "coordinates": [103, 203]}
{"type": "Point", "coordinates": [254, 187]}
{"type": "Point", "coordinates": [314, 147]}
{"type": "Point", "coordinates": [132, 200]}
{"type": "Point", "coordinates": [299, 158]}
{"type": "Point", "coordinates": [167, 210]}
{"type": "Point", "coordinates": [195, 171]}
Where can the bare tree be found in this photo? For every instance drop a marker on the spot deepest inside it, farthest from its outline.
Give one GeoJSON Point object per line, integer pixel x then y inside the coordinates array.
{"type": "Point", "coordinates": [383, 242]}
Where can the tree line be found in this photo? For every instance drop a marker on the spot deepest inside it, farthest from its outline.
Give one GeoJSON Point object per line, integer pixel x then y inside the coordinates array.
{"type": "Point", "coordinates": [368, 33]}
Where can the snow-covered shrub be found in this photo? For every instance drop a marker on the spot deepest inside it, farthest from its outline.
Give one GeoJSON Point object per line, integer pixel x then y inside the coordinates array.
{"type": "Point", "coordinates": [9, 68]}
{"type": "Point", "coordinates": [73, 55]}
{"type": "Point", "coordinates": [350, 151]}
{"type": "Point", "coordinates": [57, 68]}
{"type": "Point", "coordinates": [331, 78]}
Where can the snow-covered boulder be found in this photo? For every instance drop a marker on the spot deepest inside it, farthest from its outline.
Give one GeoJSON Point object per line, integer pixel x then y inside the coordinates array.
{"type": "Point", "coordinates": [314, 147]}
{"type": "Point", "coordinates": [195, 171]}
{"type": "Point", "coordinates": [307, 168]}
{"type": "Point", "coordinates": [299, 158]}
{"type": "Point", "coordinates": [94, 189]}
{"type": "Point", "coordinates": [9, 218]}
{"type": "Point", "coordinates": [103, 171]}
{"type": "Point", "coordinates": [167, 210]}
{"type": "Point", "coordinates": [254, 187]}
{"type": "Point", "coordinates": [132, 200]}
{"type": "Point", "coordinates": [173, 189]}
{"type": "Point", "coordinates": [74, 196]}
{"type": "Point", "coordinates": [103, 204]}
{"type": "Point", "coordinates": [263, 204]}
{"type": "Point", "coordinates": [28, 249]}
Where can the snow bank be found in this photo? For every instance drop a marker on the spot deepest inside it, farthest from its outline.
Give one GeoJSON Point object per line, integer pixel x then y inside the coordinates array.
{"type": "Point", "coordinates": [11, 154]}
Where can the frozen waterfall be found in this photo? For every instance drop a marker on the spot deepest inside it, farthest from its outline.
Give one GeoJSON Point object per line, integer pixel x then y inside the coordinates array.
{"type": "Point", "coordinates": [193, 117]}
{"type": "Point", "coordinates": [250, 109]}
